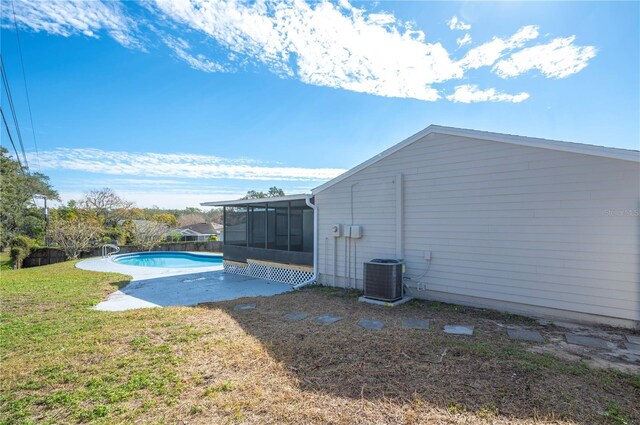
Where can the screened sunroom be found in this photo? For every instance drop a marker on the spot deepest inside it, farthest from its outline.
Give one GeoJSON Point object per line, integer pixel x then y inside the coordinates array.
{"type": "Point", "coordinates": [278, 230]}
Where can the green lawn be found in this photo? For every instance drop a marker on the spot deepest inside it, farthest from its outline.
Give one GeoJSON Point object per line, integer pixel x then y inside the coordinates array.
{"type": "Point", "coordinates": [5, 260]}
{"type": "Point", "coordinates": [63, 362]}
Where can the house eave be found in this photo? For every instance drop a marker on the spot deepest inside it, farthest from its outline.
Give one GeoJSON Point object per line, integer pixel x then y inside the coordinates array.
{"type": "Point", "coordinates": [602, 151]}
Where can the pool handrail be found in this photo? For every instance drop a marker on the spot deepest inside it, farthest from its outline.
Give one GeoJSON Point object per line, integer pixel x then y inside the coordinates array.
{"type": "Point", "coordinates": [105, 250]}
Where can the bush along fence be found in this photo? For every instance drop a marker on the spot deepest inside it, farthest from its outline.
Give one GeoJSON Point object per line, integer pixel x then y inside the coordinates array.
{"type": "Point", "coordinates": [51, 255]}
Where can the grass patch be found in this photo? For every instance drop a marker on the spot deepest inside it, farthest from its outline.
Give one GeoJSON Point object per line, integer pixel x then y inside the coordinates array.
{"type": "Point", "coordinates": [615, 415]}
{"type": "Point", "coordinates": [335, 292]}
{"type": "Point", "coordinates": [5, 260]}
{"type": "Point", "coordinates": [63, 362]}
{"type": "Point", "coordinates": [62, 359]}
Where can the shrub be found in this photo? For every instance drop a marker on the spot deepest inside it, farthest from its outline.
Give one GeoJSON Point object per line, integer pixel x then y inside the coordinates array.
{"type": "Point", "coordinates": [73, 236]}
{"type": "Point", "coordinates": [20, 249]}
{"type": "Point", "coordinates": [117, 235]}
{"type": "Point", "coordinates": [174, 237]}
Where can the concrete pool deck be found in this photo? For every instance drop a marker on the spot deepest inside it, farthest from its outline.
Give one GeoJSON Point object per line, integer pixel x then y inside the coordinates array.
{"type": "Point", "coordinates": [163, 287]}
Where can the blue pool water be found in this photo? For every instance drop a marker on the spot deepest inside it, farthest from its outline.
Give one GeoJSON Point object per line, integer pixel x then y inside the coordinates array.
{"type": "Point", "coordinates": [168, 259]}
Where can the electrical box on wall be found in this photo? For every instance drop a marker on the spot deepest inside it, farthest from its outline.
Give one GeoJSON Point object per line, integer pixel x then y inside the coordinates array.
{"type": "Point", "coordinates": [336, 230]}
{"type": "Point", "coordinates": [355, 231]}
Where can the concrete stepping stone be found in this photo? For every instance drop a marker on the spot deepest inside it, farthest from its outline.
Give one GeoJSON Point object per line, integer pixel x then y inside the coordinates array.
{"type": "Point", "coordinates": [415, 324]}
{"type": "Point", "coordinates": [632, 347]}
{"type": "Point", "coordinates": [458, 330]}
{"type": "Point", "coordinates": [294, 317]}
{"type": "Point", "coordinates": [525, 335]}
{"type": "Point", "coordinates": [375, 325]}
{"type": "Point", "coordinates": [587, 341]}
{"type": "Point", "coordinates": [327, 319]}
{"type": "Point", "coordinates": [240, 307]}
{"type": "Point", "coordinates": [633, 339]}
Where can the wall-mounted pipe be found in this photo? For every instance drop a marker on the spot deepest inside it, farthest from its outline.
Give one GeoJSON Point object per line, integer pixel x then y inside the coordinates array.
{"type": "Point", "coordinates": [399, 218]}
{"type": "Point", "coordinates": [315, 245]}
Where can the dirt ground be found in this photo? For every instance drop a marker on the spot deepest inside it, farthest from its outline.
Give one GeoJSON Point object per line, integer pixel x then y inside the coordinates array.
{"type": "Point", "coordinates": [351, 375]}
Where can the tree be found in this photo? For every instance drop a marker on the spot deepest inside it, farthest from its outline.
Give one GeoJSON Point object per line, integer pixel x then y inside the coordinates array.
{"type": "Point", "coordinates": [271, 193]}
{"type": "Point", "coordinates": [188, 219]}
{"type": "Point", "coordinates": [215, 215]}
{"type": "Point", "coordinates": [73, 236]}
{"type": "Point", "coordinates": [148, 234]}
{"type": "Point", "coordinates": [252, 194]}
{"type": "Point", "coordinates": [107, 205]}
{"type": "Point", "coordinates": [274, 192]}
{"type": "Point", "coordinates": [19, 214]}
{"type": "Point", "coordinates": [165, 218]}
{"type": "Point", "coordinates": [72, 211]}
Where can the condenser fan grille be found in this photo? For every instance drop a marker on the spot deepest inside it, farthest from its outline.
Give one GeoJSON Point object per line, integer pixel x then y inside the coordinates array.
{"type": "Point", "coordinates": [383, 279]}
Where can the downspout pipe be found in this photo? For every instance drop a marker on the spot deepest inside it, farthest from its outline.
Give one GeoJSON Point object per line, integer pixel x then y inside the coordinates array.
{"type": "Point", "coordinates": [314, 207]}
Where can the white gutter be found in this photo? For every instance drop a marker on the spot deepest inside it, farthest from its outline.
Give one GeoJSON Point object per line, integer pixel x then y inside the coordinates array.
{"type": "Point", "coordinates": [315, 245]}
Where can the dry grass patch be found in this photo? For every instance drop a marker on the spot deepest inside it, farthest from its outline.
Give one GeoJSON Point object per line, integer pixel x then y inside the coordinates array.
{"type": "Point", "coordinates": [394, 374]}
{"type": "Point", "coordinates": [65, 363]}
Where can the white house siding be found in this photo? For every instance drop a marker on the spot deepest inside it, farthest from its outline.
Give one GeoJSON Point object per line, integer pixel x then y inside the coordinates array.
{"type": "Point", "coordinates": [516, 228]}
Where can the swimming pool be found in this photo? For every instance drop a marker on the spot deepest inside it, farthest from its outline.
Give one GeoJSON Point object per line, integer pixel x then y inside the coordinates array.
{"type": "Point", "coordinates": [169, 259]}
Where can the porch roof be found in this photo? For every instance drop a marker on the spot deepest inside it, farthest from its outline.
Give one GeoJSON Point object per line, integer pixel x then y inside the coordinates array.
{"type": "Point", "coordinates": [259, 202]}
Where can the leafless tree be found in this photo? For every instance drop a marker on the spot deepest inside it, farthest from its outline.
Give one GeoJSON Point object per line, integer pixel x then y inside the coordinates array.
{"type": "Point", "coordinates": [107, 204]}
{"type": "Point", "coordinates": [188, 219]}
{"type": "Point", "coordinates": [148, 234]}
{"type": "Point", "coordinates": [73, 236]}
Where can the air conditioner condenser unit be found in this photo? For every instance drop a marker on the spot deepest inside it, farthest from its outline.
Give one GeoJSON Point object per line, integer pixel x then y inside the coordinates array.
{"type": "Point", "coordinates": [383, 279]}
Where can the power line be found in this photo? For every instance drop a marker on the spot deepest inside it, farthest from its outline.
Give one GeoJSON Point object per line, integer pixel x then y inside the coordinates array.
{"type": "Point", "coordinates": [5, 80]}
{"type": "Point", "coordinates": [22, 169]}
{"type": "Point", "coordinates": [11, 139]}
{"type": "Point", "coordinates": [24, 78]}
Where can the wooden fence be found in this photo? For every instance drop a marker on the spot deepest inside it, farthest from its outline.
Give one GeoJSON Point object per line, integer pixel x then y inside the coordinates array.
{"type": "Point", "coordinates": [52, 255]}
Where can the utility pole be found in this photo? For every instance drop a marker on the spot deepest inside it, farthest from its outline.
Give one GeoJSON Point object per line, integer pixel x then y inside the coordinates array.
{"type": "Point", "coordinates": [45, 210]}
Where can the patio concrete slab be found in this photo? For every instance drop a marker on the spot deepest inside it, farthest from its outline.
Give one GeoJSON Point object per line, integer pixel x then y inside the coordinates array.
{"type": "Point", "coordinates": [327, 319]}
{"type": "Point", "coordinates": [633, 339]}
{"type": "Point", "coordinates": [241, 307]}
{"type": "Point", "coordinates": [159, 287]}
{"type": "Point", "coordinates": [587, 341]}
{"type": "Point", "coordinates": [294, 317]}
{"type": "Point", "coordinates": [374, 325]}
{"type": "Point", "coordinates": [415, 324]}
{"type": "Point", "coordinates": [525, 335]}
{"type": "Point", "coordinates": [458, 330]}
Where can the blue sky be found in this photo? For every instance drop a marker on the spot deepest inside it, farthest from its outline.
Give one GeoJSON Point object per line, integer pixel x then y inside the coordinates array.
{"type": "Point", "coordinates": [173, 103]}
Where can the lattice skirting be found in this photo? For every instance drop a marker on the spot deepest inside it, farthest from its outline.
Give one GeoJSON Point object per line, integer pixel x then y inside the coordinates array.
{"type": "Point", "coordinates": [277, 273]}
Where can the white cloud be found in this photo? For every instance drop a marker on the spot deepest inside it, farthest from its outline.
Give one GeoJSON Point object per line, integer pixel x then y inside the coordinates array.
{"type": "Point", "coordinates": [151, 164]}
{"type": "Point", "coordinates": [455, 24]}
{"type": "Point", "coordinates": [557, 59]}
{"type": "Point", "coordinates": [172, 193]}
{"type": "Point", "coordinates": [486, 54]}
{"type": "Point", "coordinates": [463, 41]}
{"type": "Point", "coordinates": [68, 18]}
{"type": "Point", "coordinates": [321, 43]}
{"type": "Point", "coordinates": [160, 198]}
{"type": "Point", "coordinates": [198, 62]}
{"type": "Point", "coordinates": [470, 93]}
